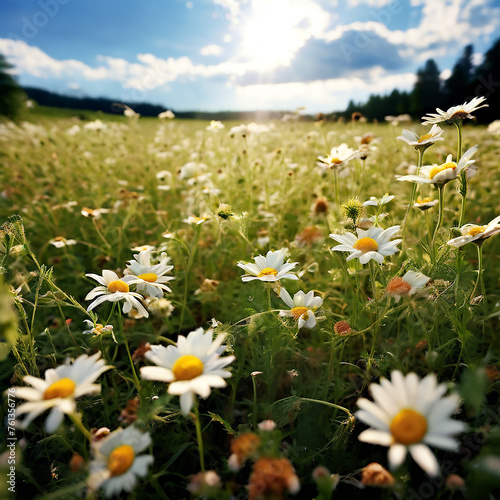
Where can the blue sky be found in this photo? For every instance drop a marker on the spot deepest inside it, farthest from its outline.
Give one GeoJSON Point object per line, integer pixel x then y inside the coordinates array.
{"type": "Point", "coordinates": [238, 54]}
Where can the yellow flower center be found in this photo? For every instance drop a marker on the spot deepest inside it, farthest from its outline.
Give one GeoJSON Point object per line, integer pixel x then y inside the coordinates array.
{"type": "Point", "coordinates": [297, 312]}
{"type": "Point", "coordinates": [475, 231]}
{"type": "Point", "coordinates": [366, 245]}
{"type": "Point", "coordinates": [267, 271]}
{"type": "Point", "coordinates": [335, 161]}
{"type": "Point", "coordinates": [437, 169]}
{"type": "Point", "coordinates": [424, 137]}
{"type": "Point", "coordinates": [60, 389]}
{"type": "Point", "coordinates": [98, 328]}
{"type": "Point", "coordinates": [118, 286]}
{"type": "Point", "coordinates": [408, 427]}
{"type": "Point", "coordinates": [187, 367]}
{"type": "Point", "coordinates": [423, 200]}
{"type": "Point", "coordinates": [120, 460]}
{"type": "Point", "coordinates": [149, 277]}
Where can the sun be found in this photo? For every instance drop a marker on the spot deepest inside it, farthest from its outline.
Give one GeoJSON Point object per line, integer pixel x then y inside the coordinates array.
{"type": "Point", "coordinates": [272, 35]}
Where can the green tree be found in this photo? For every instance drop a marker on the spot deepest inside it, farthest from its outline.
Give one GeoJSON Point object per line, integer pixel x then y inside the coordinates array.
{"type": "Point", "coordinates": [457, 86]}
{"type": "Point", "coordinates": [12, 96]}
{"type": "Point", "coordinates": [427, 94]}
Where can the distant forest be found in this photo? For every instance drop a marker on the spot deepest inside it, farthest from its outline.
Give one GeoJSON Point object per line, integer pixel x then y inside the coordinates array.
{"type": "Point", "coordinates": [429, 92]}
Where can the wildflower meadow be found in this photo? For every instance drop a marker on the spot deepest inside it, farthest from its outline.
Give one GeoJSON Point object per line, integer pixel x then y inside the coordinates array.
{"type": "Point", "coordinates": [219, 310]}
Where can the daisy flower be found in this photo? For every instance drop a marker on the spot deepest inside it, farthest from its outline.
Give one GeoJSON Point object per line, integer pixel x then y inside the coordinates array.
{"type": "Point", "coordinates": [61, 242]}
{"type": "Point", "coordinates": [269, 268]}
{"type": "Point", "coordinates": [114, 289]}
{"type": "Point", "coordinates": [425, 203]}
{"type": "Point", "coordinates": [59, 389]}
{"type": "Point", "coordinates": [338, 157]}
{"type": "Point", "coordinates": [371, 244]}
{"type": "Point", "coordinates": [116, 464]}
{"type": "Point", "coordinates": [376, 202]}
{"type": "Point", "coordinates": [151, 279]}
{"type": "Point", "coordinates": [409, 414]}
{"type": "Point", "coordinates": [473, 233]}
{"type": "Point", "coordinates": [215, 126]}
{"type": "Point", "coordinates": [166, 115]}
{"type": "Point", "coordinates": [455, 113]}
{"type": "Point", "coordinates": [406, 286]}
{"type": "Point", "coordinates": [448, 171]}
{"type": "Point", "coordinates": [97, 328]}
{"type": "Point", "coordinates": [422, 141]}
{"type": "Point", "coordinates": [191, 367]}
{"type": "Point", "coordinates": [302, 307]}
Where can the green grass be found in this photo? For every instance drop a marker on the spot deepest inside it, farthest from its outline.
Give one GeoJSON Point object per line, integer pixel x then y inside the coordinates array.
{"type": "Point", "coordinates": [272, 184]}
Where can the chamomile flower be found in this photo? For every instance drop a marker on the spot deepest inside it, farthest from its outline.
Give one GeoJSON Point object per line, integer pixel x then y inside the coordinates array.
{"type": "Point", "coordinates": [338, 157]}
{"type": "Point", "coordinates": [151, 278]}
{"type": "Point", "coordinates": [409, 414]}
{"type": "Point", "coordinates": [191, 367]}
{"type": "Point", "coordinates": [116, 464]}
{"type": "Point", "coordinates": [406, 286]}
{"type": "Point", "coordinates": [114, 289]}
{"type": "Point", "coordinates": [455, 113]}
{"type": "Point", "coordinates": [376, 202]}
{"type": "Point", "coordinates": [269, 268]}
{"type": "Point", "coordinates": [375, 243]}
{"type": "Point", "coordinates": [58, 391]}
{"type": "Point", "coordinates": [169, 115]}
{"type": "Point", "coordinates": [422, 141]}
{"type": "Point", "coordinates": [477, 234]}
{"type": "Point", "coordinates": [97, 328]}
{"type": "Point", "coordinates": [446, 172]}
{"type": "Point", "coordinates": [425, 203]}
{"type": "Point", "coordinates": [215, 126]}
{"type": "Point", "coordinates": [302, 307]}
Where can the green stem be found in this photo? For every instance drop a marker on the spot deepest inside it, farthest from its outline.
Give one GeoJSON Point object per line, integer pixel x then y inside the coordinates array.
{"type": "Point", "coordinates": [327, 403]}
{"type": "Point", "coordinates": [192, 252]}
{"type": "Point", "coordinates": [77, 420]}
{"type": "Point", "coordinates": [479, 271]}
{"type": "Point", "coordinates": [336, 183]}
{"type": "Point", "coordinates": [413, 190]}
{"type": "Point", "coordinates": [125, 341]}
{"type": "Point", "coordinates": [198, 436]}
{"type": "Point", "coordinates": [439, 222]}
{"type": "Point", "coordinates": [269, 306]}
{"type": "Point", "coordinates": [254, 383]}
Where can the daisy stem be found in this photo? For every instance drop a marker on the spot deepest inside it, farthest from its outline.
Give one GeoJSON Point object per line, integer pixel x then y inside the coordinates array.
{"type": "Point", "coordinates": [413, 190]}
{"type": "Point", "coordinates": [479, 271]}
{"type": "Point", "coordinates": [192, 252]}
{"type": "Point", "coordinates": [254, 383]}
{"type": "Point", "coordinates": [125, 341]}
{"type": "Point", "coordinates": [269, 307]}
{"type": "Point", "coordinates": [336, 184]}
{"type": "Point", "coordinates": [77, 420]}
{"type": "Point", "coordinates": [198, 436]}
{"type": "Point", "coordinates": [439, 222]}
{"type": "Point", "coordinates": [327, 403]}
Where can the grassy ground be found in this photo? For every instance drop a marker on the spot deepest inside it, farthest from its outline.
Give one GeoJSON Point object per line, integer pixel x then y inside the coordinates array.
{"type": "Point", "coordinates": [259, 192]}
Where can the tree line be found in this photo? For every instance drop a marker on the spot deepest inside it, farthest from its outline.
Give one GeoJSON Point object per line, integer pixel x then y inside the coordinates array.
{"type": "Point", "coordinates": [430, 91]}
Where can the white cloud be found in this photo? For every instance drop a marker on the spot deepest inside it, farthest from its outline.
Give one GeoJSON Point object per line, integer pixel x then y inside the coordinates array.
{"type": "Point", "coordinates": [211, 50]}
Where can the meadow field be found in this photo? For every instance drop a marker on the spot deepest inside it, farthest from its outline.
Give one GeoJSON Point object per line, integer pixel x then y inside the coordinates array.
{"type": "Point", "coordinates": [231, 350]}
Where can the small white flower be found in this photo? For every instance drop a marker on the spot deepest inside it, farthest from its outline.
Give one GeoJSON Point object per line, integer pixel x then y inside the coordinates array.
{"type": "Point", "coordinates": [95, 125]}
{"type": "Point", "coordinates": [196, 221]}
{"type": "Point", "coordinates": [302, 307]}
{"type": "Point", "coordinates": [215, 126]}
{"type": "Point", "coordinates": [376, 202]}
{"type": "Point", "coordinates": [61, 242]}
{"type": "Point", "coordinates": [116, 464]}
{"type": "Point", "coordinates": [169, 115]}
{"type": "Point", "coordinates": [425, 203]}
{"type": "Point", "coordinates": [422, 141]}
{"type": "Point", "coordinates": [338, 157]}
{"type": "Point", "coordinates": [455, 112]}
{"type": "Point", "coordinates": [408, 285]}
{"type": "Point", "coordinates": [269, 268]}
{"type": "Point", "coordinates": [409, 414]}
{"type": "Point", "coordinates": [59, 390]}
{"type": "Point", "coordinates": [152, 281]}
{"type": "Point", "coordinates": [371, 244]}
{"type": "Point", "coordinates": [191, 367]}
{"type": "Point", "coordinates": [473, 233]}
{"type": "Point", "coordinates": [448, 171]}
{"type": "Point", "coordinates": [97, 328]}
{"type": "Point", "coordinates": [114, 289]}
